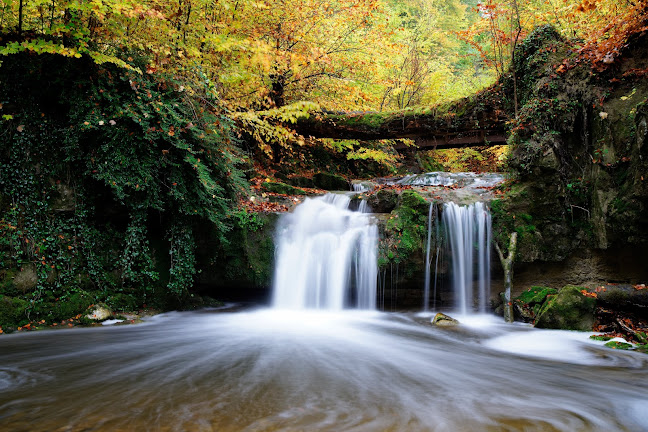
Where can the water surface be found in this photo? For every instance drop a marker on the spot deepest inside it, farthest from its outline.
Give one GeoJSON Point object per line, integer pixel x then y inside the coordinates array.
{"type": "Point", "coordinates": [273, 370]}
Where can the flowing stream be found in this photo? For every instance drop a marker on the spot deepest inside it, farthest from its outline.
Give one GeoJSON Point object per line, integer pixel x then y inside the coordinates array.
{"type": "Point", "coordinates": [277, 370]}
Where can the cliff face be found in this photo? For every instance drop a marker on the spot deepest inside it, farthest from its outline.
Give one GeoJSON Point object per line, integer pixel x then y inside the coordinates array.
{"type": "Point", "coordinates": [580, 162]}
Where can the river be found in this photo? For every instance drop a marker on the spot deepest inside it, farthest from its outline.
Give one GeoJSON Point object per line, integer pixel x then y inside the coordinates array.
{"type": "Point", "coordinates": [276, 370]}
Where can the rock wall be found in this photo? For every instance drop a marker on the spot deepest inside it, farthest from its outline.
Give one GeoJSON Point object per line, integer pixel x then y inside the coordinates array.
{"type": "Point", "coordinates": [580, 165]}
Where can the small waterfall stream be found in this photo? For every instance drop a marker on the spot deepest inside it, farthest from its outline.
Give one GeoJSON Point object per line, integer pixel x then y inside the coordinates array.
{"type": "Point", "coordinates": [326, 256]}
{"type": "Point", "coordinates": [468, 232]}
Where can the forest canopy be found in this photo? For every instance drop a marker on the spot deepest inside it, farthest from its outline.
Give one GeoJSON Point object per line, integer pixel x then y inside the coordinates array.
{"type": "Point", "coordinates": [361, 55]}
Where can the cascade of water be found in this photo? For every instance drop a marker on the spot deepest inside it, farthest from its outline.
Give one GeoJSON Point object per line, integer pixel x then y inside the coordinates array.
{"type": "Point", "coordinates": [326, 257]}
{"type": "Point", "coordinates": [426, 287]}
{"type": "Point", "coordinates": [468, 233]}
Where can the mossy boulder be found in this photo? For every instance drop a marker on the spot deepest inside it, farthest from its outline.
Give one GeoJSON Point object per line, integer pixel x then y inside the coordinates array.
{"type": "Point", "coordinates": [383, 201]}
{"type": "Point", "coordinates": [122, 302]}
{"type": "Point", "coordinates": [567, 310]}
{"type": "Point", "coordinates": [99, 312]}
{"type": "Point", "coordinates": [13, 311]}
{"type": "Point", "coordinates": [301, 181]}
{"type": "Point", "coordinates": [528, 304]}
{"type": "Point", "coordinates": [331, 182]}
{"type": "Point", "coordinates": [404, 232]}
{"type": "Point", "coordinates": [282, 188]}
{"type": "Point", "coordinates": [68, 307]}
{"type": "Point", "coordinates": [27, 279]}
{"type": "Point", "coordinates": [443, 320]}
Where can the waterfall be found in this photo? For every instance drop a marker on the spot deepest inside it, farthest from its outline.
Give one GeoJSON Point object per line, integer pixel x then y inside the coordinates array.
{"type": "Point", "coordinates": [326, 257]}
{"type": "Point", "coordinates": [428, 262]}
{"type": "Point", "coordinates": [468, 230]}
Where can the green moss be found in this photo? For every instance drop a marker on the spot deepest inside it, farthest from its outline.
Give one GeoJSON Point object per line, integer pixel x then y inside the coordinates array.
{"type": "Point", "coordinates": [329, 181]}
{"type": "Point", "coordinates": [122, 302]}
{"type": "Point", "coordinates": [282, 188]}
{"type": "Point", "coordinates": [535, 295]}
{"type": "Point", "coordinates": [405, 232]}
{"type": "Point", "coordinates": [13, 311]}
{"type": "Point", "coordinates": [68, 306]}
{"type": "Point", "coordinates": [618, 345]}
{"type": "Point", "coordinates": [300, 181]}
{"type": "Point", "coordinates": [601, 337]}
{"type": "Point", "coordinates": [568, 310]}
{"type": "Point", "coordinates": [369, 119]}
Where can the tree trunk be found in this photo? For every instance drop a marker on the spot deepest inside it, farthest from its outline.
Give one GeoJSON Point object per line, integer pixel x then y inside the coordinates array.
{"type": "Point", "coordinates": [507, 265]}
{"type": "Point", "coordinates": [483, 116]}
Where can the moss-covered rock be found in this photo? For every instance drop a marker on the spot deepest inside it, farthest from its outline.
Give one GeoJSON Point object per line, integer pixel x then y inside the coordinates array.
{"type": "Point", "coordinates": [27, 278]}
{"type": "Point", "coordinates": [68, 307]}
{"type": "Point", "coordinates": [567, 310]}
{"type": "Point", "coordinates": [122, 302]}
{"type": "Point", "coordinates": [13, 311]}
{"type": "Point", "coordinates": [383, 201]}
{"type": "Point", "coordinates": [98, 312]}
{"type": "Point", "coordinates": [618, 345]}
{"type": "Point", "coordinates": [282, 188]}
{"type": "Point", "coordinates": [603, 338]}
{"type": "Point", "coordinates": [528, 303]}
{"type": "Point", "coordinates": [536, 294]}
{"type": "Point", "coordinates": [245, 261]}
{"type": "Point", "coordinates": [443, 320]}
{"type": "Point", "coordinates": [301, 181]}
{"type": "Point", "coordinates": [331, 182]}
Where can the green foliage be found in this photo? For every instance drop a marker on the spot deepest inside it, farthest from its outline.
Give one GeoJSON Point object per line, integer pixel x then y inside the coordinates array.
{"type": "Point", "coordinates": [13, 311]}
{"type": "Point", "coordinates": [183, 260]}
{"type": "Point", "coordinates": [601, 337]}
{"type": "Point", "coordinates": [405, 231]}
{"type": "Point", "coordinates": [535, 295]}
{"type": "Point", "coordinates": [248, 255]}
{"type": "Point", "coordinates": [89, 155]}
{"type": "Point", "coordinates": [138, 269]}
{"type": "Point", "coordinates": [618, 345]}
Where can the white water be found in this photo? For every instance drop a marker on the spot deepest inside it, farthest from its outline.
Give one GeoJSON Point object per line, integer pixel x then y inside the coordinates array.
{"type": "Point", "coordinates": [326, 257]}
{"type": "Point", "coordinates": [428, 262]}
{"type": "Point", "coordinates": [319, 371]}
{"type": "Point", "coordinates": [469, 180]}
{"type": "Point", "coordinates": [468, 230]}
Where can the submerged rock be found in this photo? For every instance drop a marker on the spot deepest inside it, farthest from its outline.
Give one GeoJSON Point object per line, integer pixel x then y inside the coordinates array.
{"type": "Point", "coordinates": [443, 320]}
{"type": "Point", "coordinates": [567, 310]}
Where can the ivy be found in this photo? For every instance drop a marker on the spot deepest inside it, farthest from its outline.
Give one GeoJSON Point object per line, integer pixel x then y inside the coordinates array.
{"type": "Point", "coordinates": [97, 163]}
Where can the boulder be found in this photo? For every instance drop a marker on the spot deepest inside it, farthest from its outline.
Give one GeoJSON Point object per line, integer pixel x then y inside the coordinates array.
{"type": "Point", "coordinates": [98, 312]}
{"type": "Point", "coordinates": [332, 182]}
{"type": "Point", "coordinates": [567, 310]}
{"type": "Point", "coordinates": [383, 201]}
{"type": "Point", "coordinates": [443, 320]}
{"type": "Point", "coordinates": [301, 181]}
{"type": "Point", "coordinates": [27, 279]}
{"type": "Point", "coordinates": [527, 305]}
{"type": "Point", "coordinates": [282, 188]}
